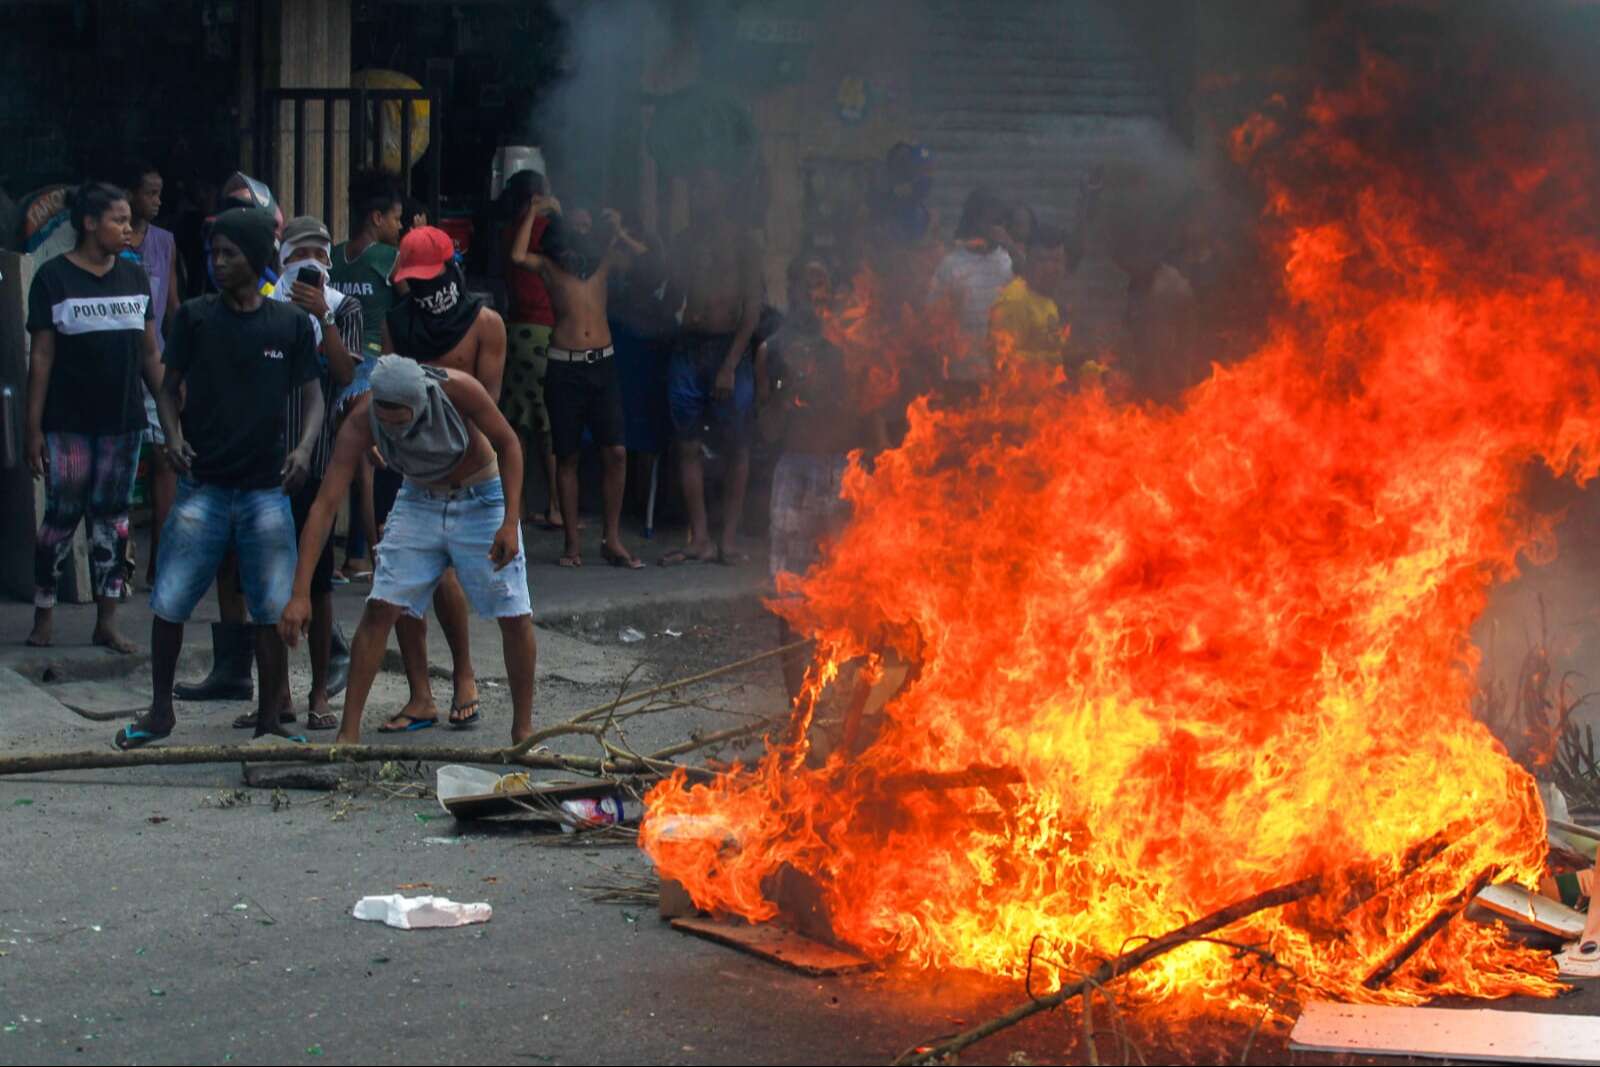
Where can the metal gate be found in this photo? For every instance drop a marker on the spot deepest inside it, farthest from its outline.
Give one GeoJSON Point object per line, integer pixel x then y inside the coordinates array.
{"type": "Point", "coordinates": [365, 128]}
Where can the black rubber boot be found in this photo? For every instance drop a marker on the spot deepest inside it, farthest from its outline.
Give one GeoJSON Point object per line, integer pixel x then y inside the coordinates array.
{"type": "Point", "coordinates": [233, 657]}
{"type": "Point", "coordinates": [338, 663]}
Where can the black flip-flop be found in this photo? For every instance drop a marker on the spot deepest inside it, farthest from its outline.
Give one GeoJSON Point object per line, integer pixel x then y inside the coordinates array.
{"type": "Point", "coordinates": [471, 720]}
{"type": "Point", "coordinates": [679, 557]}
{"type": "Point", "coordinates": [620, 559]}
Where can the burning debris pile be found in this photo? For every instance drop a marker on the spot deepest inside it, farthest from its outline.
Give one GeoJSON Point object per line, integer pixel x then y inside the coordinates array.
{"type": "Point", "coordinates": [1222, 647]}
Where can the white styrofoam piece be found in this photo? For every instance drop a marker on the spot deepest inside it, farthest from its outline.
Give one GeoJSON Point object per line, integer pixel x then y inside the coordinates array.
{"type": "Point", "coordinates": [419, 913]}
{"type": "Point", "coordinates": [1475, 1034]}
{"type": "Point", "coordinates": [1540, 912]}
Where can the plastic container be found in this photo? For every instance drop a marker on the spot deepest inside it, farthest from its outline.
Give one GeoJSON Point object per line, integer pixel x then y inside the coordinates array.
{"type": "Point", "coordinates": [594, 813]}
{"type": "Point", "coordinates": [508, 160]}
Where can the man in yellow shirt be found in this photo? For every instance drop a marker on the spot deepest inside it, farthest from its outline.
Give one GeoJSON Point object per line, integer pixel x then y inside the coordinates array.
{"type": "Point", "coordinates": [1024, 322]}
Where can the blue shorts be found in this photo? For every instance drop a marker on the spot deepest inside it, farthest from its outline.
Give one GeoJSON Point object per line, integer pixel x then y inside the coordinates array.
{"type": "Point", "coordinates": [205, 522]}
{"type": "Point", "coordinates": [691, 391]}
{"type": "Point", "coordinates": [431, 530]}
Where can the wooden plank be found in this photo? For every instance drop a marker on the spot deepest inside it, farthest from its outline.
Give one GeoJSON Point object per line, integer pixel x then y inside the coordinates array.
{"type": "Point", "coordinates": [1442, 1033]}
{"type": "Point", "coordinates": [775, 943]}
{"type": "Point", "coordinates": [1539, 912]}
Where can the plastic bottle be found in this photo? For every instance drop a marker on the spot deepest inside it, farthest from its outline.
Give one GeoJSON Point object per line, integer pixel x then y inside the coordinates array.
{"type": "Point", "coordinates": [592, 813]}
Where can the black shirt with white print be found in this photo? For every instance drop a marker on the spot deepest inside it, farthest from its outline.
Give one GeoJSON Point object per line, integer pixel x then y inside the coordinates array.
{"type": "Point", "coordinates": [99, 322]}
{"type": "Point", "coordinates": [239, 369]}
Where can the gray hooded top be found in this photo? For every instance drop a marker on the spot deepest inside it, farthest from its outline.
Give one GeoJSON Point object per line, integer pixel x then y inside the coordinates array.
{"type": "Point", "coordinates": [433, 443]}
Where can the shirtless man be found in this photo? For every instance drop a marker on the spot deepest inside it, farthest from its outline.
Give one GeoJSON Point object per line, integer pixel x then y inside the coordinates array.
{"type": "Point", "coordinates": [716, 267]}
{"type": "Point", "coordinates": [581, 387]}
{"type": "Point", "coordinates": [440, 324]}
{"type": "Point", "coordinates": [445, 435]}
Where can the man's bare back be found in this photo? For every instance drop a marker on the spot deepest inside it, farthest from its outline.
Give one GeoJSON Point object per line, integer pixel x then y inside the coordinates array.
{"type": "Point", "coordinates": [480, 353]}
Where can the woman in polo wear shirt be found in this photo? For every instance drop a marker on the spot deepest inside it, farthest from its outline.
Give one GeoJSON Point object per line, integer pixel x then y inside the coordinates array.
{"type": "Point", "coordinates": [93, 339]}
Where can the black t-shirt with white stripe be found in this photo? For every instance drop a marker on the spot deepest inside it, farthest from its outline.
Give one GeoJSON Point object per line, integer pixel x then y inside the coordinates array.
{"type": "Point", "coordinates": [99, 326]}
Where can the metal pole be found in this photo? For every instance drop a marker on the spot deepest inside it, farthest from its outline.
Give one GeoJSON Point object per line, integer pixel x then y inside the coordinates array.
{"type": "Point", "coordinates": [358, 134]}
{"type": "Point", "coordinates": [329, 109]}
{"type": "Point", "coordinates": [377, 122]}
{"type": "Point", "coordinates": [436, 146]}
{"type": "Point", "coordinates": [405, 142]}
{"type": "Point", "coordinates": [299, 155]}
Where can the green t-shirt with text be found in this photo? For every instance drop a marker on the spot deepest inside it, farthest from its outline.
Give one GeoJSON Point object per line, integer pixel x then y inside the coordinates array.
{"type": "Point", "coordinates": [367, 279]}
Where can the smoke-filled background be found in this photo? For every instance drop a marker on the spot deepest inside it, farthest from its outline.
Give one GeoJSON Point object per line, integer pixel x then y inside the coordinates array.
{"type": "Point", "coordinates": [1037, 102]}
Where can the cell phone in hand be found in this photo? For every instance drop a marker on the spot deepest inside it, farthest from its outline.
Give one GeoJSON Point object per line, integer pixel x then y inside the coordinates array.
{"type": "Point", "coordinates": [308, 271]}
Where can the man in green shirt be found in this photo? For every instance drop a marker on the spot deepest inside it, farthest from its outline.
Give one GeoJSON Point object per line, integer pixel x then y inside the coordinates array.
{"type": "Point", "coordinates": [361, 269]}
{"type": "Point", "coordinates": [361, 266]}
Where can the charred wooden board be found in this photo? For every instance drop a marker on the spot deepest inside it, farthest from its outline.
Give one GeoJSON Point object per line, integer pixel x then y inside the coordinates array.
{"type": "Point", "coordinates": [776, 943]}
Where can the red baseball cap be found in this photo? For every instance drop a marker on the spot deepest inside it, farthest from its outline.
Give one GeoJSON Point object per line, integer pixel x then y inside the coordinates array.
{"type": "Point", "coordinates": [423, 254]}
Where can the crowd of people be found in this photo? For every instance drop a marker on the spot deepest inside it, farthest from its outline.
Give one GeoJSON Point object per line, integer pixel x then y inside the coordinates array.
{"type": "Point", "coordinates": [308, 378]}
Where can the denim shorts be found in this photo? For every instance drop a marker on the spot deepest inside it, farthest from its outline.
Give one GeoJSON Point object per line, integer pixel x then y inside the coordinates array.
{"type": "Point", "coordinates": [205, 522]}
{"type": "Point", "coordinates": [430, 530]}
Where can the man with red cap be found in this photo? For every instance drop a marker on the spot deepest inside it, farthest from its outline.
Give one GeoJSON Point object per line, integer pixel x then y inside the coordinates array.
{"type": "Point", "coordinates": [440, 324]}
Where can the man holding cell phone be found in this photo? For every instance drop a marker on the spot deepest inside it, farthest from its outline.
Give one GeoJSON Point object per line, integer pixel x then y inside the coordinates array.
{"type": "Point", "coordinates": [306, 259]}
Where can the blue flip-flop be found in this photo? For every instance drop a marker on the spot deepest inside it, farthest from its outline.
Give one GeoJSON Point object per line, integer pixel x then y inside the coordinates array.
{"type": "Point", "coordinates": [134, 736]}
{"type": "Point", "coordinates": [412, 725]}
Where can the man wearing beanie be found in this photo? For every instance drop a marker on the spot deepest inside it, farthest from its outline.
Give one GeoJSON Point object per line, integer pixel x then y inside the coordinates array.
{"type": "Point", "coordinates": [235, 357]}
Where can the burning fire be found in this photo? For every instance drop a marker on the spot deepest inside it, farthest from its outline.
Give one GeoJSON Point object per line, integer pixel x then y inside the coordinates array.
{"type": "Point", "coordinates": [1208, 650]}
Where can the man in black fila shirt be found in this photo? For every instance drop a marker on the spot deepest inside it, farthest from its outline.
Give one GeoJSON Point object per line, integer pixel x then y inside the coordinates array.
{"type": "Point", "coordinates": [235, 357]}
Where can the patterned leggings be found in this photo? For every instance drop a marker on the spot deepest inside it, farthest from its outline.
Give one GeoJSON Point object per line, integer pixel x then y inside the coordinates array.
{"type": "Point", "coordinates": [90, 477]}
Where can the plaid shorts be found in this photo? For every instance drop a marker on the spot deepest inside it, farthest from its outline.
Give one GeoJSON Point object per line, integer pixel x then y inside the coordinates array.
{"type": "Point", "coordinates": [807, 509]}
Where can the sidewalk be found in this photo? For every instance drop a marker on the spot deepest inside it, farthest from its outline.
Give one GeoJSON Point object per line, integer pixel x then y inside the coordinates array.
{"type": "Point", "coordinates": [596, 598]}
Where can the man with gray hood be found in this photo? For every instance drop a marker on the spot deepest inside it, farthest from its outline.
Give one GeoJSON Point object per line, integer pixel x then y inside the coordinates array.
{"type": "Point", "coordinates": [458, 507]}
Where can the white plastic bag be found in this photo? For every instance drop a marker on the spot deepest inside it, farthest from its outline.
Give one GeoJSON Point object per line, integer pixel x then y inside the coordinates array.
{"type": "Point", "coordinates": [420, 913]}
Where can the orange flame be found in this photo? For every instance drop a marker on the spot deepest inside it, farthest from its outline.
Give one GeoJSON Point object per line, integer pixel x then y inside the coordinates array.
{"type": "Point", "coordinates": [1217, 648]}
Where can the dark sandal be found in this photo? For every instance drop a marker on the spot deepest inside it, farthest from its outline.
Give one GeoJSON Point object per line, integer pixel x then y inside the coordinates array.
{"type": "Point", "coordinates": [680, 556]}
{"type": "Point", "coordinates": [620, 559]}
{"type": "Point", "coordinates": [466, 722]}
{"type": "Point", "coordinates": [321, 720]}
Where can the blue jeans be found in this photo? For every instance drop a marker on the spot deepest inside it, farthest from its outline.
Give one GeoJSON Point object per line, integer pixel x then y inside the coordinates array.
{"type": "Point", "coordinates": [431, 530]}
{"type": "Point", "coordinates": [206, 521]}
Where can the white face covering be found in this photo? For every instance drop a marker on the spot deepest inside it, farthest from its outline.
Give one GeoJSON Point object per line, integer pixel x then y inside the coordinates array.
{"type": "Point", "coordinates": [312, 273]}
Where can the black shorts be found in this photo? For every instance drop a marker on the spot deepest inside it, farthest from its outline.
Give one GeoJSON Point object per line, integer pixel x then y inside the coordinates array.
{"type": "Point", "coordinates": [385, 487]}
{"type": "Point", "coordinates": [300, 503]}
{"type": "Point", "coordinates": [580, 395]}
